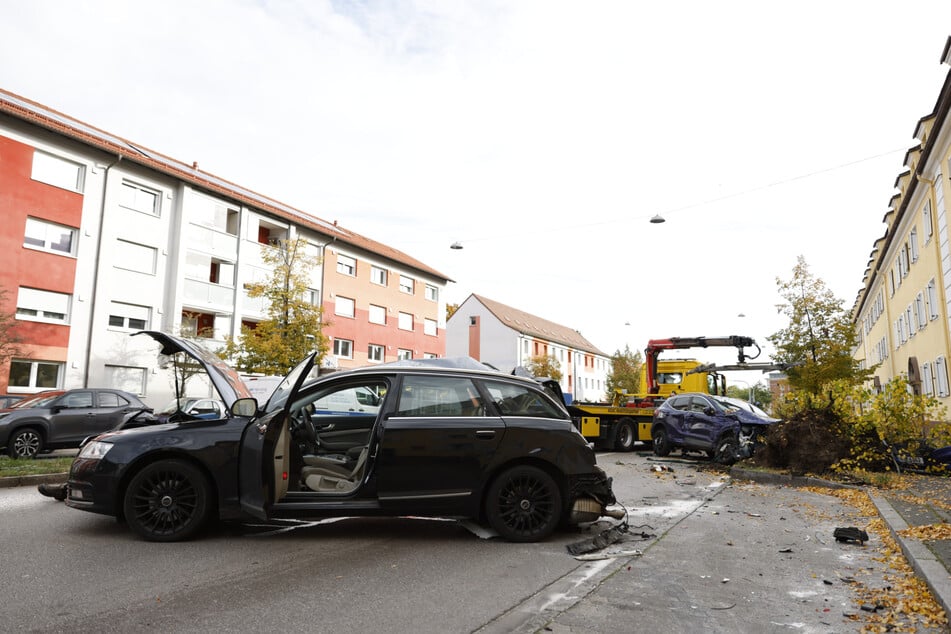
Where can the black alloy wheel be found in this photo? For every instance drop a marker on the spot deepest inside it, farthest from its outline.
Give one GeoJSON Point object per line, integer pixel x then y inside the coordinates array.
{"type": "Point", "coordinates": [25, 443]}
{"type": "Point", "coordinates": [524, 504]}
{"type": "Point", "coordinates": [661, 442]}
{"type": "Point", "coordinates": [624, 436]}
{"type": "Point", "coordinates": [167, 501]}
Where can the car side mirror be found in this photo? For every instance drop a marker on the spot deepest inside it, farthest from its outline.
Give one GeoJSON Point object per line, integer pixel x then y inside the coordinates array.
{"type": "Point", "coordinates": [709, 411]}
{"type": "Point", "coordinates": [246, 407]}
{"type": "Point", "coordinates": [56, 409]}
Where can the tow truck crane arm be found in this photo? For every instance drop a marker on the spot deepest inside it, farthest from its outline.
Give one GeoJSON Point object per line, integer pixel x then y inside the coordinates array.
{"type": "Point", "coordinates": [654, 346]}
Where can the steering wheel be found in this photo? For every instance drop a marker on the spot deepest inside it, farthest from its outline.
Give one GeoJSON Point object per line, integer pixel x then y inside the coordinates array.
{"type": "Point", "coordinates": [306, 430]}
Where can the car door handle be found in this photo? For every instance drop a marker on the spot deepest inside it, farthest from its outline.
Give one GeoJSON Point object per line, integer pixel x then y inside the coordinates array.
{"type": "Point", "coordinates": [325, 427]}
{"type": "Point", "coordinates": [485, 434]}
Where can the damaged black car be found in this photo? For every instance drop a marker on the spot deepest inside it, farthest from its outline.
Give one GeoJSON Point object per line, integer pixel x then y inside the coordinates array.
{"type": "Point", "coordinates": [388, 440]}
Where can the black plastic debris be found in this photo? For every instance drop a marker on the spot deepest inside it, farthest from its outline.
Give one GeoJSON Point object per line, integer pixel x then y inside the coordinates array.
{"type": "Point", "coordinates": [602, 540]}
{"type": "Point", "coordinates": [850, 534]}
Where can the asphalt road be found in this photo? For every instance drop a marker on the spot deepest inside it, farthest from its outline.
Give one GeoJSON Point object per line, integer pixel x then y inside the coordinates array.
{"type": "Point", "coordinates": [63, 569]}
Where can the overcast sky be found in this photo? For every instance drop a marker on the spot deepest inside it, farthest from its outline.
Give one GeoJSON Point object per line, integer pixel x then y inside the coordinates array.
{"type": "Point", "coordinates": [542, 135]}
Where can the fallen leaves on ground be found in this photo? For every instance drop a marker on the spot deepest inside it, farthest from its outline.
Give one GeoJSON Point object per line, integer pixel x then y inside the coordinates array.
{"type": "Point", "coordinates": [904, 603]}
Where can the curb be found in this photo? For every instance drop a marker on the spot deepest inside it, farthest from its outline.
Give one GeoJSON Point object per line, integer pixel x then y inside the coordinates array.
{"type": "Point", "coordinates": [33, 480]}
{"type": "Point", "coordinates": [926, 565]}
{"type": "Point", "coordinates": [784, 479]}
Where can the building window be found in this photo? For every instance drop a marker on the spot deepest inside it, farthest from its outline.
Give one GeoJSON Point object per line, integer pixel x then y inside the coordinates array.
{"type": "Point", "coordinates": [26, 374]}
{"type": "Point", "coordinates": [910, 321]}
{"type": "Point", "coordinates": [346, 265]}
{"type": "Point", "coordinates": [432, 293]}
{"type": "Point", "coordinates": [46, 306]}
{"type": "Point", "coordinates": [46, 236]}
{"type": "Point", "coordinates": [377, 315]}
{"type": "Point", "coordinates": [125, 378]}
{"type": "Point", "coordinates": [406, 321]}
{"type": "Point", "coordinates": [343, 348]}
{"type": "Point", "coordinates": [941, 376]}
{"type": "Point", "coordinates": [312, 297]}
{"type": "Point", "coordinates": [932, 299]}
{"type": "Point", "coordinates": [198, 325]}
{"type": "Point", "coordinates": [375, 353]}
{"type": "Point", "coordinates": [429, 327]}
{"type": "Point", "coordinates": [129, 316]}
{"type": "Point", "coordinates": [430, 355]}
{"type": "Point", "coordinates": [920, 316]}
{"type": "Point", "coordinates": [928, 222]}
{"type": "Point", "coordinates": [404, 355]}
{"type": "Point", "coordinates": [913, 244]}
{"type": "Point", "coordinates": [135, 257]}
{"type": "Point", "coordinates": [927, 379]}
{"type": "Point", "coordinates": [58, 172]}
{"type": "Point", "coordinates": [378, 275]}
{"type": "Point", "coordinates": [139, 198]}
{"type": "Point", "coordinates": [344, 306]}
{"type": "Point", "coordinates": [407, 284]}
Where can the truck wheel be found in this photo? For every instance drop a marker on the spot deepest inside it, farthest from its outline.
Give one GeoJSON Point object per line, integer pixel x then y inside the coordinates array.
{"type": "Point", "coordinates": [624, 436]}
{"type": "Point", "coordinates": [726, 451]}
{"type": "Point", "coordinates": [661, 442]}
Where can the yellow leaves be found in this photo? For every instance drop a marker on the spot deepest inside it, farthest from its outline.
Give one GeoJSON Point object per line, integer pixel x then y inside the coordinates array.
{"type": "Point", "coordinates": [929, 532]}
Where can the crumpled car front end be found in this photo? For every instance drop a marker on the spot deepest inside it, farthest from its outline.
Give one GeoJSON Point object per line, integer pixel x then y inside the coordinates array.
{"type": "Point", "coordinates": [590, 496]}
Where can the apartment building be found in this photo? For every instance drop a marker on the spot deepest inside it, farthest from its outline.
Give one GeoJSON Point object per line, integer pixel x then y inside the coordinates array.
{"type": "Point", "coordinates": [506, 338]}
{"type": "Point", "coordinates": [902, 313]}
{"type": "Point", "coordinates": [102, 238]}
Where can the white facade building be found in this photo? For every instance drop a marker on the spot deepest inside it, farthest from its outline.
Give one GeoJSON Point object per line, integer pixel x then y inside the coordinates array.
{"type": "Point", "coordinates": [506, 338]}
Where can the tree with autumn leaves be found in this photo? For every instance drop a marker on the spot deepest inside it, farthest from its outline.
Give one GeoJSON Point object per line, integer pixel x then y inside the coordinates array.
{"type": "Point", "coordinates": [293, 328]}
{"type": "Point", "coordinates": [832, 418]}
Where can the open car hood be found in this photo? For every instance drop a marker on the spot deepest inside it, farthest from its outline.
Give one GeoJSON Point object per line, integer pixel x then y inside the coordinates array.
{"type": "Point", "coordinates": [226, 381]}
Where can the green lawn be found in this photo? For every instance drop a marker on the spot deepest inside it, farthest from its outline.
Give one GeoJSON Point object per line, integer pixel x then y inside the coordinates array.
{"type": "Point", "coordinates": [10, 467]}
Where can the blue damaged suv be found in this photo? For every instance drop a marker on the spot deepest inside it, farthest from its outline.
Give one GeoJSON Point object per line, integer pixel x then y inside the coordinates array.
{"type": "Point", "coordinates": [701, 422]}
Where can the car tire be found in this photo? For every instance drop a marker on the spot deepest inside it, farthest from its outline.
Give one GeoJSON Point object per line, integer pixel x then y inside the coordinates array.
{"type": "Point", "coordinates": [167, 501]}
{"type": "Point", "coordinates": [624, 436]}
{"type": "Point", "coordinates": [725, 452]}
{"type": "Point", "coordinates": [25, 443]}
{"type": "Point", "coordinates": [661, 440]}
{"type": "Point", "coordinates": [524, 504]}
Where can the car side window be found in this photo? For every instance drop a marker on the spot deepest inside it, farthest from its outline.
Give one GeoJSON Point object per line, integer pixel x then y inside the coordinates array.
{"type": "Point", "coordinates": [439, 396]}
{"type": "Point", "coordinates": [519, 400]}
{"type": "Point", "coordinates": [78, 399]}
{"type": "Point", "coordinates": [680, 402]}
{"type": "Point", "coordinates": [350, 399]}
{"type": "Point", "coordinates": [108, 399]}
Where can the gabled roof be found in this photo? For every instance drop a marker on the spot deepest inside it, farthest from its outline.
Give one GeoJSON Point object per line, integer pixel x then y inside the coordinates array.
{"type": "Point", "coordinates": [64, 125]}
{"type": "Point", "coordinates": [528, 324]}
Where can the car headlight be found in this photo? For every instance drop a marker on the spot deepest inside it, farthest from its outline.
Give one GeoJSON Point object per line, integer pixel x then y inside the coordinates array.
{"type": "Point", "coordinates": [95, 450]}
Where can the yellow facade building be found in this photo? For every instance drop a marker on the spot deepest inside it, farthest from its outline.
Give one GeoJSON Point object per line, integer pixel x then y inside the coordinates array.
{"type": "Point", "coordinates": [902, 313]}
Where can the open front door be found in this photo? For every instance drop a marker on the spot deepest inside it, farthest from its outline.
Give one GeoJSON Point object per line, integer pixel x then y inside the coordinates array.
{"type": "Point", "coordinates": [264, 460]}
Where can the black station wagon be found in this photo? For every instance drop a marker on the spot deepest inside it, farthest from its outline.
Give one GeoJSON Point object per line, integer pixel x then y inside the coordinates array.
{"type": "Point", "coordinates": [392, 439]}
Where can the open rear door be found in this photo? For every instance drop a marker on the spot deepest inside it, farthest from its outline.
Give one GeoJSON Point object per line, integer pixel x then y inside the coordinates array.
{"type": "Point", "coordinates": [264, 459]}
